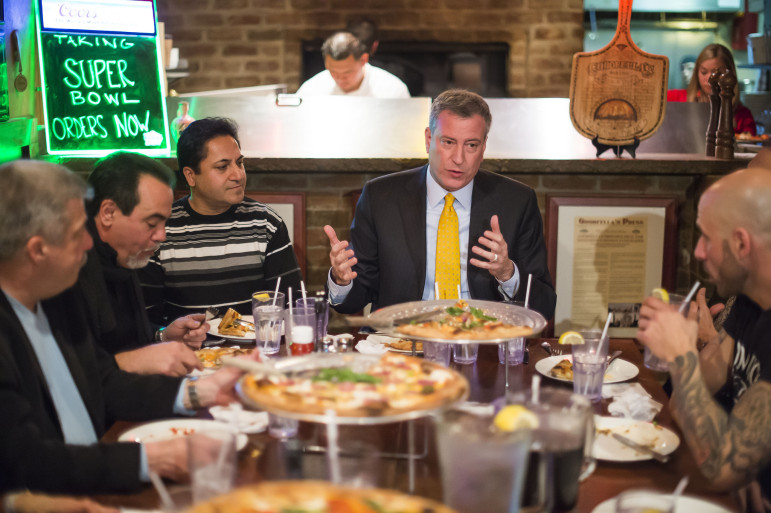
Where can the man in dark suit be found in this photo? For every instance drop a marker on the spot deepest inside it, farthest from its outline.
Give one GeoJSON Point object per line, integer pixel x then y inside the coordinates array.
{"type": "Point", "coordinates": [59, 391]}
{"type": "Point", "coordinates": [394, 255]}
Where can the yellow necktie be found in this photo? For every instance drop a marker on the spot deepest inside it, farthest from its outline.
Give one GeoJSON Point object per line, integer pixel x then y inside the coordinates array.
{"type": "Point", "coordinates": [448, 251]}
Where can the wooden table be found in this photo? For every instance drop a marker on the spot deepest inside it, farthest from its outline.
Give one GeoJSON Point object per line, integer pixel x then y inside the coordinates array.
{"type": "Point", "coordinates": [267, 458]}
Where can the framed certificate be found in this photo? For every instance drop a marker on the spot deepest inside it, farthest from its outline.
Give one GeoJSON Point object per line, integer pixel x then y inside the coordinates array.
{"type": "Point", "coordinates": [606, 253]}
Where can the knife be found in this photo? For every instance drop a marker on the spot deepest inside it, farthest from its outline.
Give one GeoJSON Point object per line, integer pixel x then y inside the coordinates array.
{"type": "Point", "coordinates": [661, 458]}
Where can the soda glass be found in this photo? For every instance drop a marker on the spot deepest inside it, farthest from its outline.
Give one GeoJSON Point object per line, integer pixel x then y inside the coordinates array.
{"type": "Point", "coordinates": [651, 361]}
{"type": "Point", "coordinates": [560, 455]}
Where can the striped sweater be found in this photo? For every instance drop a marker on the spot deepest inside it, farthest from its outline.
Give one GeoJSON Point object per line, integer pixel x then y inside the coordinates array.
{"type": "Point", "coordinates": [218, 260]}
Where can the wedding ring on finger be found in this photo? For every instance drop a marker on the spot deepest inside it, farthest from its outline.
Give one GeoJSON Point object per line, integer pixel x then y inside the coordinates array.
{"type": "Point", "coordinates": [496, 257]}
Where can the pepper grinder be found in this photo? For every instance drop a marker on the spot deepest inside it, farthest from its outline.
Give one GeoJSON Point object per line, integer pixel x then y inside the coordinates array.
{"type": "Point", "coordinates": [714, 111]}
{"type": "Point", "coordinates": [724, 143]}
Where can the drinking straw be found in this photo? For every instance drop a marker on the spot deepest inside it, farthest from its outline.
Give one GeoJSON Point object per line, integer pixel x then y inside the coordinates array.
{"type": "Point", "coordinates": [333, 449]}
{"type": "Point", "coordinates": [458, 290]}
{"type": "Point", "coordinates": [290, 302]}
{"type": "Point", "coordinates": [302, 287]}
{"type": "Point", "coordinates": [679, 489]}
{"type": "Point", "coordinates": [605, 332]}
{"type": "Point", "coordinates": [168, 504]}
{"type": "Point", "coordinates": [275, 294]}
{"type": "Point", "coordinates": [436, 290]}
{"type": "Point", "coordinates": [689, 297]}
{"type": "Point", "coordinates": [527, 292]}
{"type": "Point", "coordinates": [222, 453]}
{"type": "Point", "coordinates": [535, 388]}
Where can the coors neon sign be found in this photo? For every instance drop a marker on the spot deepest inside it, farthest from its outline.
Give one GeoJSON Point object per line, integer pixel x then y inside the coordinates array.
{"type": "Point", "coordinates": [116, 16]}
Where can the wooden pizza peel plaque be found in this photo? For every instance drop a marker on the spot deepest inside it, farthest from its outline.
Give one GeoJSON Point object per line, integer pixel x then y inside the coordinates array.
{"type": "Point", "coordinates": [618, 93]}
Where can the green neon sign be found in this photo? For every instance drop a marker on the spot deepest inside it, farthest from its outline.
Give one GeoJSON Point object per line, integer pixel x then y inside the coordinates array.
{"type": "Point", "coordinates": [4, 107]}
{"type": "Point", "coordinates": [102, 93]}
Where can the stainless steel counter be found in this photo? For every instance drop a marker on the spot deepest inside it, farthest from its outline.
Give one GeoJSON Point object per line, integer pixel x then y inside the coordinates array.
{"type": "Point", "coordinates": [336, 127]}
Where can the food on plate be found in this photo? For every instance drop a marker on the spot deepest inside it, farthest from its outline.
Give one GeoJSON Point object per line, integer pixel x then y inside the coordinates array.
{"type": "Point", "coordinates": [563, 370]}
{"type": "Point", "coordinates": [746, 136]}
{"type": "Point", "coordinates": [571, 338]}
{"type": "Point", "coordinates": [229, 324]}
{"type": "Point", "coordinates": [464, 322]}
{"type": "Point", "coordinates": [514, 417]}
{"type": "Point", "coordinates": [316, 497]}
{"type": "Point", "coordinates": [404, 345]}
{"type": "Point", "coordinates": [211, 357]}
{"type": "Point", "coordinates": [391, 385]}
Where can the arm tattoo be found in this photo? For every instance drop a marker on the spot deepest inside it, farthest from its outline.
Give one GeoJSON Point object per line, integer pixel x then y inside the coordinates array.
{"type": "Point", "coordinates": [731, 447]}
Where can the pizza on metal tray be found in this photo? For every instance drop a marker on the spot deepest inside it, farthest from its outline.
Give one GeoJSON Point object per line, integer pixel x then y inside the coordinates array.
{"type": "Point", "coordinates": [464, 322]}
{"type": "Point", "coordinates": [316, 497]}
{"type": "Point", "coordinates": [393, 385]}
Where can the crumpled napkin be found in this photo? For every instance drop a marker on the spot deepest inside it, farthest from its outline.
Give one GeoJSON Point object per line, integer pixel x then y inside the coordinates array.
{"type": "Point", "coordinates": [630, 400]}
{"type": "Point", "coordinates": [373, 344]}
{"type": "Point", "coordinates": [245, 421]}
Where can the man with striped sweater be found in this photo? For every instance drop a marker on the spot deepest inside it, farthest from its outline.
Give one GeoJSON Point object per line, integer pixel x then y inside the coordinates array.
{"type": "Point", "coordinates": [220, 246]}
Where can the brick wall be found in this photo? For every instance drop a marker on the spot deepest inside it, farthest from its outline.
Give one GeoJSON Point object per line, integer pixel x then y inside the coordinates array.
{"type": "Point", "coordinates": [240, 43]}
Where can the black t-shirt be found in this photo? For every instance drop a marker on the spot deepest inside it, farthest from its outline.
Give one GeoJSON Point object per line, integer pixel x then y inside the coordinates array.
{"type": "Point", "coordinates": [750, 327]}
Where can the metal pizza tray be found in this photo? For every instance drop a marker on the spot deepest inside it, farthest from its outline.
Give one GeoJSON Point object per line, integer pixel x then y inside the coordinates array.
{"type": "Point", "coordinates": [506, 312]}
{"type": "Point", "coordinates": [358, 363]}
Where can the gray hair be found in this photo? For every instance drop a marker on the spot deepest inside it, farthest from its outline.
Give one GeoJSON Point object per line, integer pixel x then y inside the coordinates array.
{"type": "Point", "coordinates": [342, 44]}
{"type": "Point", "coordinates": [461, 103]}
{"type": "Point", "coordinates": [33, 201]}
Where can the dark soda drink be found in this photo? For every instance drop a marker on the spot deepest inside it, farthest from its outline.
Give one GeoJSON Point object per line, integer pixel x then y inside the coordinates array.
{"type": "Point", "coordinates": [554, 466]}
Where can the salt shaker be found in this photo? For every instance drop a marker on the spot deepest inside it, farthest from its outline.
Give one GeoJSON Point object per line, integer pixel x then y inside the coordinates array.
{"type": "Point", "coordinates": [328, 344]}
{"type": "Point", "coordinates": [344, 343]}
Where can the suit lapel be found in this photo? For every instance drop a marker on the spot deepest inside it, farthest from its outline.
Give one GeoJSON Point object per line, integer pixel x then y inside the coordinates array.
{"type": "Point", "coordinates": [413, 215]}
{"type": "Point", "coordinates": [478, 223]}
{"type": "Point", "coordinates": [26, 360]}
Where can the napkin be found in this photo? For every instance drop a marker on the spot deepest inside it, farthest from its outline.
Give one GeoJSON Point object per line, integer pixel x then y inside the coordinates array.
{"type": "Point", "coordinates": [373, 344]}
{"type": "Point", "coordinates": [630, 400]}
{"type": "Point", "coordinates": [245, 421]}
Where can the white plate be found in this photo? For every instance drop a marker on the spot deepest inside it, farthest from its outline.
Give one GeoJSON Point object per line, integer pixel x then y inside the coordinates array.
{"type": "Point", "coordinates": [684, 505]}
{"type": "Point", "coordinates": [214, 324]}
{"type": "Point", "coordinates": [608, 448]}
{"type": "Point", "coordinates": [619, 370]}
{"type": "Point", "coordinates": [167, 429]}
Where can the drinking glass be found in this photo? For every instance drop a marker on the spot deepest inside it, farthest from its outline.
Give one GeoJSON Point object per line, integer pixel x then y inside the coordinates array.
{"type": "Point", "coordinates": [268, 319]}
{"type": "Point", "coordinates": [211, 457]}
{"type": "Point", "coordinates": [438, 352]}
{"type": "Point", "coordinates": [465, 354]}
{"type": "Point", "coordinates": [649, 359]}
{"type": "Point", "coordinates": [482, 468]}
{"type": "Point", "coordinates": [267, 323]}
{"type": "Point", "coordinates": [560, 455]}
{"type": "Point", "coordinates": [301, 331]}
{"type": "Point", "coordinates": [320, 307]}
{"type": "Point", "coordinates": [282, 427]}
{"type": "Point", "coordinates": [516, 348]}
{"type": "Point", "coordinates": [589, 362]}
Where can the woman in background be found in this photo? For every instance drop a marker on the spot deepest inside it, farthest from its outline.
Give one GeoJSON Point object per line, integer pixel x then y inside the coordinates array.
{"type": "Point", "coordinates": [711, 57]}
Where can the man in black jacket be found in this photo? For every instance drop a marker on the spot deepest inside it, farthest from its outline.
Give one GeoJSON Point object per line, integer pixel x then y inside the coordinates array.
{"type": "Point", "coordinates": [59, 392]}
{"type": "Point", "coordinates": [127, 219]}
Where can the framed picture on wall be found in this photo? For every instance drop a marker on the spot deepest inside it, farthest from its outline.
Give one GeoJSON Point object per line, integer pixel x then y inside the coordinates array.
{"type": "Point", "coordinates": [606, 253]}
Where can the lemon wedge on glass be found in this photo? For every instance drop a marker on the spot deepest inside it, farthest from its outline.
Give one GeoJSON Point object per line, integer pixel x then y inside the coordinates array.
{"type": "Point", "coordinates": [514, 417]}
{"type": "Point", "coordinates": [661, 294]}
{"type": "Point", "coordinates": [262, 297]}
{"type": "Point", "coordinates": [571, 338]}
